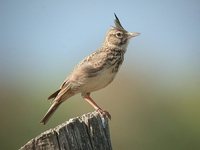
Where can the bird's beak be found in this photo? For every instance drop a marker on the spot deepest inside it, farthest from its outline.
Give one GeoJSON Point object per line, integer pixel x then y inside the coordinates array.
{"type": "Point", "coordinates": [132, 34]}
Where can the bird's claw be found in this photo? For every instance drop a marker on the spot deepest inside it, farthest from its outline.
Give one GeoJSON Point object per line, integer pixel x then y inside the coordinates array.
{"type": "Point", "coordinates": [104, 113]}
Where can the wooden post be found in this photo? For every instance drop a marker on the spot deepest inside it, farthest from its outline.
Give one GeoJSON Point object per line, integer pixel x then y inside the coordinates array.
{"type": "Point", "coordinates": [88, 132]}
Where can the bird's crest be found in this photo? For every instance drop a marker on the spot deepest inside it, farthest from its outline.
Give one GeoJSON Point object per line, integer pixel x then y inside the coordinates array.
{"type": "Point", "coordinates": [117, 23]}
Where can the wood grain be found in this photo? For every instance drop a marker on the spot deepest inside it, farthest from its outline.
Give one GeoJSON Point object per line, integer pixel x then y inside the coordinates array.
{"type": "Point", "coordinates": [88, 132]}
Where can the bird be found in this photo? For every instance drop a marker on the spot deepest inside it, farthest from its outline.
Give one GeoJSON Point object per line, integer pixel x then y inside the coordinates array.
{"type": "Point", "coordinates": [95, 71]}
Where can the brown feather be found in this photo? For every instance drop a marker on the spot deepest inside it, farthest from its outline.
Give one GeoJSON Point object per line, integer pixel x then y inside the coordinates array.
{"type": "Point", "coordinates": [54, 94]}
{"type": "Point", "coordinates": [60, 96]}
{"type": "Point", "coordinates": [50, 112]}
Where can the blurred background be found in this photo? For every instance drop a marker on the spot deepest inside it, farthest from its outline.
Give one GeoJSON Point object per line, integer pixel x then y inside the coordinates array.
{"type": "Point", "coordinates": [155, 98]}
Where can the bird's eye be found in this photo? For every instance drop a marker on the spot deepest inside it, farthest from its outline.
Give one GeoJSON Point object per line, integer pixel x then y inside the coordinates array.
{"type": "Point", "coordinates": [119, 35]}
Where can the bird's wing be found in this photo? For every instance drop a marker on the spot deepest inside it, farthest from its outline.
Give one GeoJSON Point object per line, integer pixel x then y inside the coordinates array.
{"type": "Point", "coordinates": [65, 92]}
{"type": "Point", "coordinates": [54, 95]}
{"type": "Point", "coordinates": [91, 70]}
{"type": "Point", "coordinates": [93, 64]}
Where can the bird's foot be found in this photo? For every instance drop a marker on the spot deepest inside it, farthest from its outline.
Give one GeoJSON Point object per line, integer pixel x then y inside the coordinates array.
{"type": "Point", "coordinates": [104, 113]}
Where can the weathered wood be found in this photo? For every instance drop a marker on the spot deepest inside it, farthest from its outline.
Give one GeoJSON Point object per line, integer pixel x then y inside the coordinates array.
{"type": "Point", "coordinates": [88, 132]}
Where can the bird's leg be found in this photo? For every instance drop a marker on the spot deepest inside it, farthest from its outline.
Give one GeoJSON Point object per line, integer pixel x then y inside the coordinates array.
{"type": "Point", "coordinates": [95, 106]}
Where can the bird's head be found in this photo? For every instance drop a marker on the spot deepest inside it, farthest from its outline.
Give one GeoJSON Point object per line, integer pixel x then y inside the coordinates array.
{"type": "Point", "coordinates": [118, 36]}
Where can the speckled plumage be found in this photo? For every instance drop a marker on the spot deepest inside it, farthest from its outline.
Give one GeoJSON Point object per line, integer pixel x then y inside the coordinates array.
{"type": "Point", "coordinates": [95, 71]}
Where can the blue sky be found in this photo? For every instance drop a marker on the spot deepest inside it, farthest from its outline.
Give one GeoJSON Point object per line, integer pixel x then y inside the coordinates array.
{"type": "Point", "coordinates": [39, 37]}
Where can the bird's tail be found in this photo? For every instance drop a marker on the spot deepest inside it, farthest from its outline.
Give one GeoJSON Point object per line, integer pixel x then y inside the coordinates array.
{"type": "Point", "coordinates": [50, 112]}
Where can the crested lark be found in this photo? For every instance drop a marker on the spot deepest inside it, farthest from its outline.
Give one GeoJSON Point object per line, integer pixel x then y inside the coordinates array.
{"type": "Point", "coordinates": [95, 71]}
